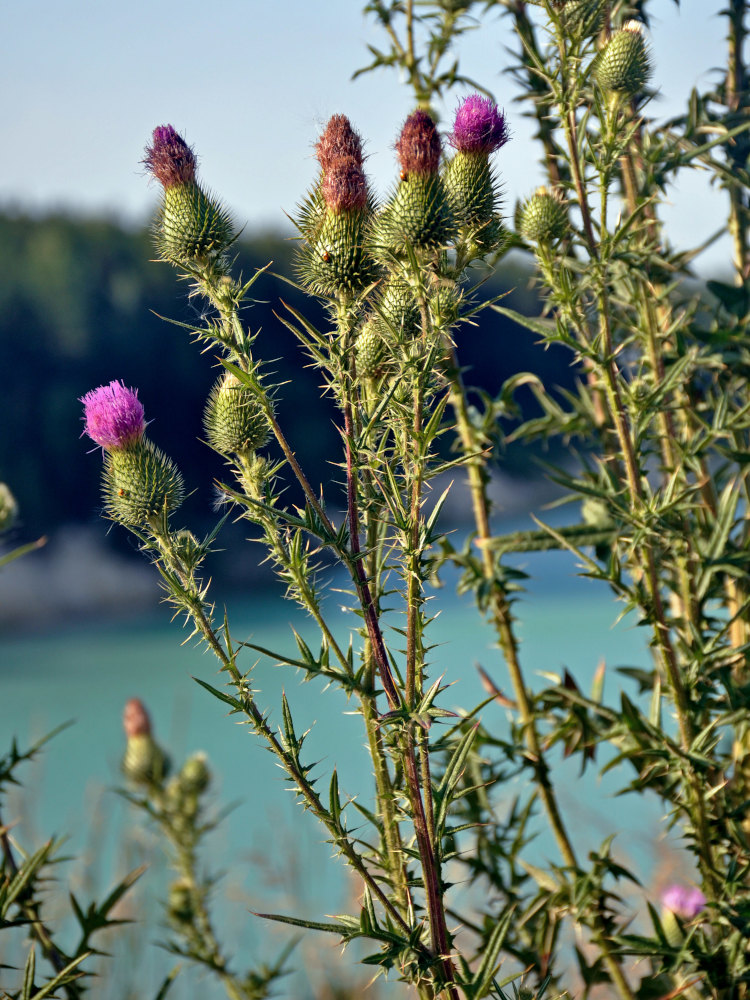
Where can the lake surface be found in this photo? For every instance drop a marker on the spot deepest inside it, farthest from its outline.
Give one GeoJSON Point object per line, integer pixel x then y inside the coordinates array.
{"type": "Point", "coordinates": [86, 673]}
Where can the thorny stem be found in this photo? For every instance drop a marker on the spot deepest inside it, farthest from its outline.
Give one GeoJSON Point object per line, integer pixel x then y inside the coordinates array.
{"type": "Point", "coordinates": [57, 959]}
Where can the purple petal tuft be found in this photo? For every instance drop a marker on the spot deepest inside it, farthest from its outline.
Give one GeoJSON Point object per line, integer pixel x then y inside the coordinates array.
{"type": "Point", "coordinates": [686, 901]}
{"type": "Point", "coordinates": [114, 416]}
{"type": "Point", "coordinates": [169, 158]}
{"type": "Point", "coordinates": [479, 126]}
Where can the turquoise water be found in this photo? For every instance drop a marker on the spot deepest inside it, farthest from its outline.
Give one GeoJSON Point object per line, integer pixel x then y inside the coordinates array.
{"type": "Point", "coordinates": [86, 673]}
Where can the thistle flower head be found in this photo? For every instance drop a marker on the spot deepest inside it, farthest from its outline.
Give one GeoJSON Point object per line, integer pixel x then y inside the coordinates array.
{"type": "Point", "coordinates": [686, 901]}
{"type": "Point", "coordinates": [114, 416]}
{"type": "Point", "coordinates": [169, 158]}
{"type": "Point", "coordinates": [479, 126]}
{"type": "Point", "coordinates": [135, 719]}
{"type": "Point", "coordinates": [344, 187]}
{"type": "Point", "coordinates": [418, 145]}
{"type": "Point", "coordinates": [338, 141]}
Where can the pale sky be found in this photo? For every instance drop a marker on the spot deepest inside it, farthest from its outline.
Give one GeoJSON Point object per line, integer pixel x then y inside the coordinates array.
{"type": "Point", "coordinates": [250, 83]}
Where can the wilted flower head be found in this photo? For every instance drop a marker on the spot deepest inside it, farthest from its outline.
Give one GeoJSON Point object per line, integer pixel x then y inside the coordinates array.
{"type": "Point", "coordinates": [344, 186]}
{"type": "Point", "coordinates": [169, 158]}
{"type": "Point", "coordinates": [338, 141]}
{"type": "Point", "coordinates": [114, 416]}
{"type": "Point", "coordinates": [135, 719]}
{"type": "Point", "coordinates": [479, 126]}
{"type": "Point", "coordinates": [686, 901]}
{"type": "Point", "coordinates": [418, 146]}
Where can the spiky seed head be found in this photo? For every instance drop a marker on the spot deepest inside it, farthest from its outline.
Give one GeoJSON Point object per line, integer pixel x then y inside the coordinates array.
{"type": "Point", "coordinates": [370, 349]}
{"type": "Point", "coordinates": [479, 126]}
{"type": "Point", "coordinates": [8, 508]}
{"type": "Point", "coordinates": [234, 419]}
{"type": "Point", "coordinates": [338, 141]}
{"type": "Point", "coordinates": [114, 416]}
{"type": "Point", "coordinates": [191, 226]}
{"type": "Point", "coordinates": [344, 186]}
{"type": "Point", "coordinates": [543, 218]}
{"type": "Point", "coordinates": [169, 158]}
{"type": "Point", "coordinates": [418, 145]}
{"type": "Point", "coordinates": [624, 66]}
{"type": "Point", "coordinates": [195, 775]}
{"type": "Point", "coordinates": [140, 485]}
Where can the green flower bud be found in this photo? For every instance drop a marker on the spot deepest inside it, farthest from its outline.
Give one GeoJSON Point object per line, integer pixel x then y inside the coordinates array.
{"type": "Point", "coordinates": [191, 226]}
{"type": "Point", "coordinates": [195, 776]}
{"type": "Point", "coordinates": [234, 419]}
{"type": "Point", "coordinates": [333, 259]}
{"type": "Point", "coordinates": [543, 218]}
{"type": "Point", "coordinates": [419, 215]}
{"type": "Point", "coordinates": [140, 484]}
{"type": "Point", "coordinates": [444, 306]}
{"type": "Point", "coordinates": [8, 508]}
{"type": "Point", "coordinates": [399, 308]}
{"type": "Point", "coordinates": [623, 66]}
{"type": "Point", "coordinates": [472, 188]}
{"type": "Point", "coordinates": [180, 907]}
{"type": "Point", "coordinates": [188, 548]}
{"type": "Point", "coordinates": [144, 762]}
{"type": "Point", "coordinates": [370, 349]}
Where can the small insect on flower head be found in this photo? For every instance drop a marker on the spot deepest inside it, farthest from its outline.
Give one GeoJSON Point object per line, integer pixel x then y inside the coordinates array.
{"type": "Point", "coordinates": [114, 416]}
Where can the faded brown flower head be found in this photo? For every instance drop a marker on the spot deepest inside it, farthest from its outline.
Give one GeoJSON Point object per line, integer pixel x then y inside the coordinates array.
{"type": "Point", "coordinates": [338, 141]}
{"type": "Point", "coordinates": [344, 187]}
{"type": "Point", "coordinates": [418, 146]}
{"type": "Point", "coordinates": [169, 158]}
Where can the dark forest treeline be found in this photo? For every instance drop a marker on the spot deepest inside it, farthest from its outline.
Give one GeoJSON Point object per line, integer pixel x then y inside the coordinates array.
{"type": "Point", "coordinates": [80, 305]}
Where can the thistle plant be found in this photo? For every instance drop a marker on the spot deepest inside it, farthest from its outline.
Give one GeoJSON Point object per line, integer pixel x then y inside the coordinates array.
{"type": "Point", "coordinates": [660, 421]}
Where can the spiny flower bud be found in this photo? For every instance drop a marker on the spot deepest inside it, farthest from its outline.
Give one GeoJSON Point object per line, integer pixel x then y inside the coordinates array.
{"type": "Point", "coordinates": [234, 419]}
{"type": "Point", "coordinates": [479, 129]}
{"type": "Point", "coordinates": [192, 227]}
{"type": "Point", "coordinates": [444, 306]}
{"type": "Point", "coordinates": [419, 213]}
{"type": "Point", "coordinates": [543, 218]}
{"type": "Point", "coordinates": [180, 906]}
{"type": "Point", "coordinates": [114, 416]}
{"type": "Point", "coordinates": [140, 485]}
{"type": "Point", "coordinates": [479, 126]}
{"type": "Point", "coordinates": [144, 762]}
{"type": "Point", "coordinates": [8, 508]}
{"type": "Point", "coordinates": [418, 145]}
{"type": "Point", "coordinates": [370, 349]}
{"type": "Point", "coordinates": [188, 548]}
{"type": "Point", "coordinates": [334, 218]}
{"type": "Point", "coordinates": [344, 186]}
{"type": "Point", "coordinates": [195, 776]}
{"type": "Point", "coordinates": [624, 66]}
{"type": "Point", "coordinates": [338, 141]}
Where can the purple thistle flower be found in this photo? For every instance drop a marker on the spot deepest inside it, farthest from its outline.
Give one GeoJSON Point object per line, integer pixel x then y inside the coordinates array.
{"type": "Point", "coordinates": [344, 187]}
{"type": "Point", "coordinates": [114, 416]}
{"type": "Point", "coordinates": [479, 126]}
{"type": "Point", "coordinates": [683, 900]}
{"type": "Point", "coordinates": [418, 145]}
{"type": "Point", "coordinates": [169, 158]}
